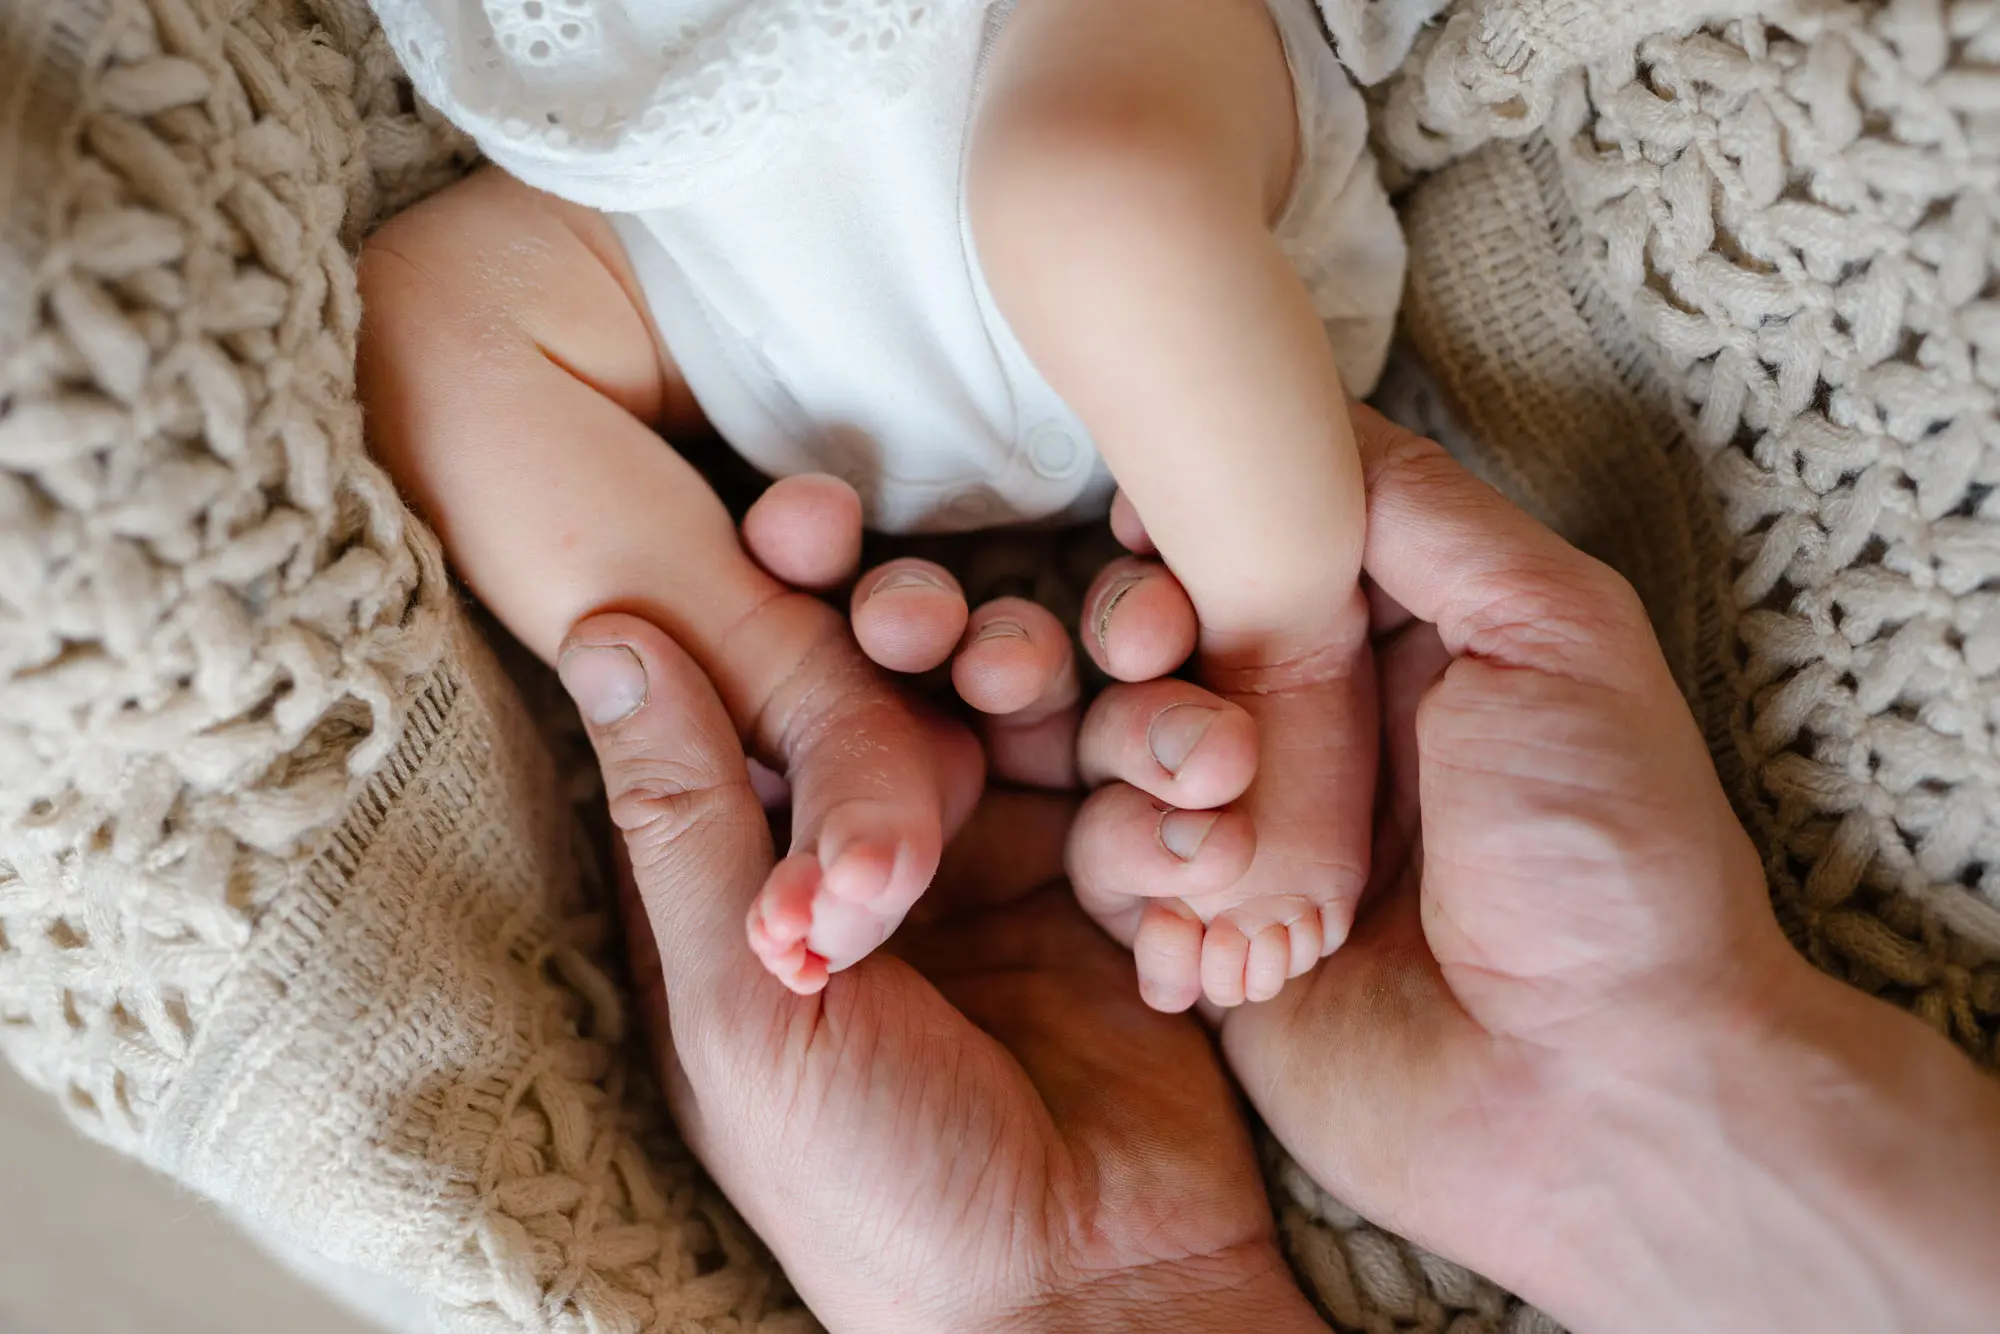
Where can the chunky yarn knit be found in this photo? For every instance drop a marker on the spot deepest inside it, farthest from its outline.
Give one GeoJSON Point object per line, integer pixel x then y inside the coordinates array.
{"type": "Point", "coordinates": [288, 901]}
{"type": "Point", "coordinates": [1783, 233]}
{"type": "Point", "coordinates": [1718, 304]}
{"type": "Point", "coordinates": [290, 898]}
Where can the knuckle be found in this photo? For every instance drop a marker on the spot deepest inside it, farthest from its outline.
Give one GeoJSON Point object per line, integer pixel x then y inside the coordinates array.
{"type": "Point", "coordinates": [1380, 439]}
{"type": "Point", "coordinates": [1409, 463]}
{"type": "Point", "coordinates": [1420, 456]}
{"type": "Point", "coordinates": [1567, 613]}
{"type": "Point", "coordinates": [659, 802]}
{"type": "Point", "coordinates": [1604, 587]}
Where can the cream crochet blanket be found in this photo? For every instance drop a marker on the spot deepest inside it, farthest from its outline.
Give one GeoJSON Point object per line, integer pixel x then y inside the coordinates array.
{"type": "Point", "coordinates": [291, 905]}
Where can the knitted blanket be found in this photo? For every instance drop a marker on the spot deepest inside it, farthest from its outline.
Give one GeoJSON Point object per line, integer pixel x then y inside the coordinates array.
{"type": "Point", "coordinates": [292, 903]}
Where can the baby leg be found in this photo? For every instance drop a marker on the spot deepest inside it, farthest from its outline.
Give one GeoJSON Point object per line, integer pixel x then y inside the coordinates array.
{"type": "Point", "coordinates": [1123, 180]}
{"type": "Point", "coordinates": [513, 385]}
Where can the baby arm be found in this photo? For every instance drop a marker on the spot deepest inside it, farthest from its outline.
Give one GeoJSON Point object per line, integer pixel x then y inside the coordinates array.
{"type": "Point", "coordinates": [512, 382]}
{"type": "Point", "coordinates": [1128, 161]}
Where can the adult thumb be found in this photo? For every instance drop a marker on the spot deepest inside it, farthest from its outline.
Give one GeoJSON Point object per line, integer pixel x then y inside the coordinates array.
{"type": "Point", "coordinates": [1497, 584]}
{"type": "Point", "coordinates": [679, 792]}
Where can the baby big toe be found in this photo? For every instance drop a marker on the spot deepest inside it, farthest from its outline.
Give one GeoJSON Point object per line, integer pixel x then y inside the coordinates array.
{"type": "Point", "coordinates": [880, 853]}
{"type": "Point", "coordinates": [845, 933]}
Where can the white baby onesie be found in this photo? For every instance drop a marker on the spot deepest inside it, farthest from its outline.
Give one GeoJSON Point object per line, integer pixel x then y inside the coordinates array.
{"type": "Point", "coordinates": [787, 177]}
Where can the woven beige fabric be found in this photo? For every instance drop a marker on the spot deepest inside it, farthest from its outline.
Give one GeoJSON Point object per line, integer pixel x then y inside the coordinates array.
{"type": "Point", "coordinates": [1719, 307]}
{"type": "Point", "coordinates": [1793, 220]}
{"type": "Point", "coordinates": [288, 901]}
{"type": "Point", "coordinates": [1537, 381]}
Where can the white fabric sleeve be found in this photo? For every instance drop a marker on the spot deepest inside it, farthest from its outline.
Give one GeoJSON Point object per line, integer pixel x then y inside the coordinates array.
{"type": "Point", "coordinates": [630, 105]}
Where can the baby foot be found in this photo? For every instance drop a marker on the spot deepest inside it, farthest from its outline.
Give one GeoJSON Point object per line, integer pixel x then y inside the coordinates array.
{"type": "Point", "coordinates": [1158, 854]}
{"type": "Point", "coordinates": [1161, 863]}
{"type": "Point", "coordinates": [876, 784]}
{"type": "Point", "coordinates": [818, 915]}
{"type": "Point", "coordinates": [1309, 805]}
{"type": "Point", "coordinates": [874, 787]}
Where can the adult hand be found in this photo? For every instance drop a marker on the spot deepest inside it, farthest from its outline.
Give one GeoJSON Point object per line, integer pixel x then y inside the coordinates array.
{"type": "Point", "coordinates": [1011, 660]}
{"type": "Point", "coordinates": [1566, 1043]}
{"type": "Point", "coordinates": [987, 1132]}
{"type": "Point", "coordinates": [1186, 751]}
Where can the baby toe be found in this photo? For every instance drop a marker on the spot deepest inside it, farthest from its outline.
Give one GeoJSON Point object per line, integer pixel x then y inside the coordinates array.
{"type": "Point", "coordinates": [908, 615]}
{"type": "Point", "coordinates": [845, 933]}
{"type": "Point", "coordinates": [861, 871]}
{"type": "Point", "coordinates": [1167, 949]}
{"type": "Point", "coordinates": [1225, 955]}
{"type": "Point", "coordinates": [780, 921]}
{"type": "Point", "coordinates": [1336, 919]}
{"type": "Point", "coordinates": [880, 851]}
{"type": "Point", "coordinates": [1306, 936]}
{"type": "Point", "coordinates": [782, 912]}
{"type": "Point", "coordinates": [1015, 660]}
{"type": "Point", "coordinates": [1265, 966]}
{"type": "Point", "coordinates": [803, 972]}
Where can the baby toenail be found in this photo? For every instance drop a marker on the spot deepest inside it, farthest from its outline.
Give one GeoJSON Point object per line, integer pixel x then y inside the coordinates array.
{"type": "Point", "coordinates": [903, 580]}
{"type": "Point", "coordinates": [607, 681]}
{"type": "Point", "coordinates": [1183, 832]}
{"type": "Point", "coordinates": [1176, 731]}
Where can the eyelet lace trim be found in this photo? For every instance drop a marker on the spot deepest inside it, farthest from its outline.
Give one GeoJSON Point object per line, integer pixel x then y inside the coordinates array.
{"type": "Point", "coordinates": [622, 106]}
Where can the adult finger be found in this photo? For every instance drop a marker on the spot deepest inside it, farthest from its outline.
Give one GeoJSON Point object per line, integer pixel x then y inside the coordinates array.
{"type": "Point", "coordinates": [1138, 622]}
{"type": "Point", "coordinates": [1039, 754]}
{"type": "Point", "coordinates": [1125, 846]}
{"type": "Point", "coordinates": [1015, 661]}
{"type": "Point", "coordinates": [1128, 527]}
{"type": "Point", "coordinates": [1170, 739]}
{"type": "Point", "coordinates": [679, 793]}
{"type": "Point", "coordinates": [806, 531]}
{"type": "Point", "coordinates": [1497, 584]}
{"type": "Point", "coordinates": [908, 614]}
{"type": "Point", "coordinates": [1019, 666]}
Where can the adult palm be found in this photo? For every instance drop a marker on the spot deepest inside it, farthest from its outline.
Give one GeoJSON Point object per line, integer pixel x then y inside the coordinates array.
{"type": "Point", "coordinates": [985, 1130]}
{"type": "Point", "coordinates": [1563, 899]}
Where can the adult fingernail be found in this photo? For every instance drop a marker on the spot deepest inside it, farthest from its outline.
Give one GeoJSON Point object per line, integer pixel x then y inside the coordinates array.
{"type": "Point", "coordinates": [1176, 731]}
{"type": "Point", "coordinates": [607, 681]}
{"type": "Point", "coordinates": [905, 579]}
{"type": "Point", "coordinates": [1101, 623]}
{"type": "Point", "coordinates": [1183, 832]}
{"type": "Point", "coordinates": [1001, 630]}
